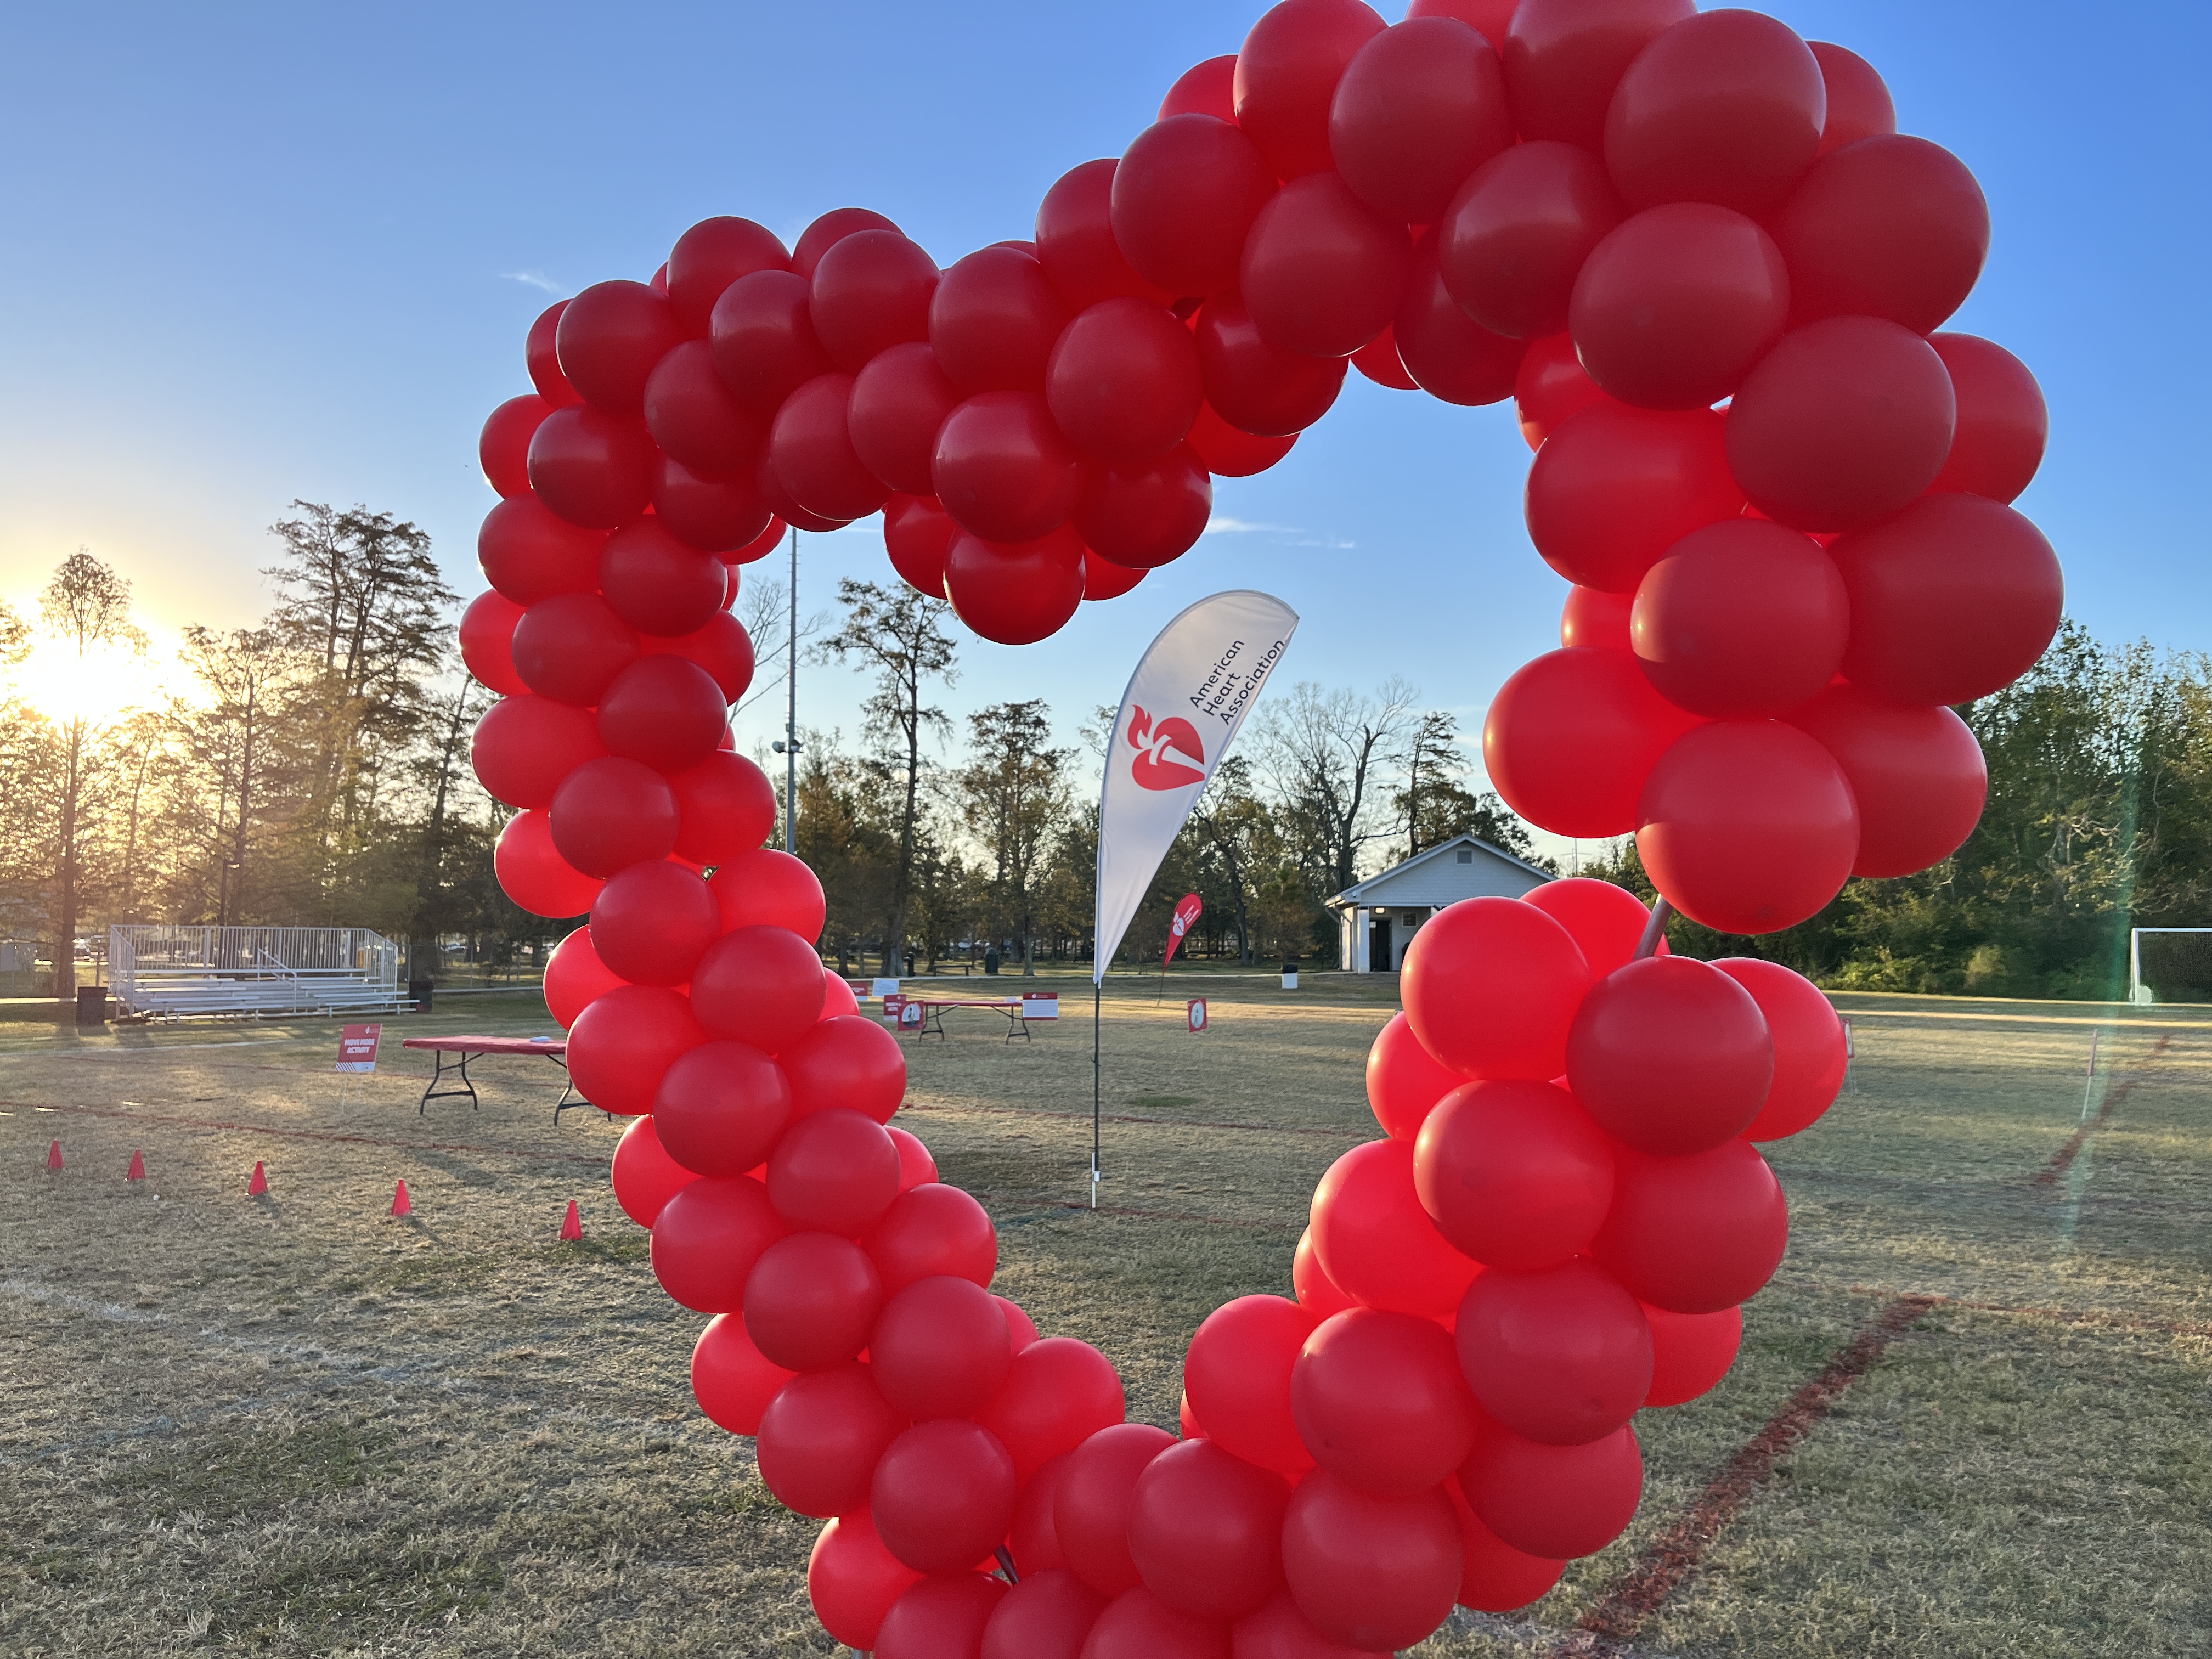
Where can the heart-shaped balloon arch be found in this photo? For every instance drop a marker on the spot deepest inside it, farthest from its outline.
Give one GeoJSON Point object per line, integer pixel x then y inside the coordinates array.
{"type": "Point", "coordinates": [1629, 216]}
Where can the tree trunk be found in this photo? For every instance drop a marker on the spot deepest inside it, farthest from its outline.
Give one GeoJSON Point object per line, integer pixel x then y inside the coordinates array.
{"type": "Point", "coordinates": [65, 883]}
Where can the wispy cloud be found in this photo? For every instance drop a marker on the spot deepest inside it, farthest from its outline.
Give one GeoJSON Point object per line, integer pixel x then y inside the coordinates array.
{"type": "Point", "coordinates": [1227, 526]}
{"type": "Point", "coordinates": [1324, 542]}
{"type": "Point", "coordinates": [532, 279]}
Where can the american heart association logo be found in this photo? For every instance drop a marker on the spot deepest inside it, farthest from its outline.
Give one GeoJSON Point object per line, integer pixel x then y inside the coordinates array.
{"type": "Point", "coordinates": [1170, 755]}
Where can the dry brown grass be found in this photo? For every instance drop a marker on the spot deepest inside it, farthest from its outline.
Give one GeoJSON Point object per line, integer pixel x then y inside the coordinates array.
{"type": "Point", "coordinates": [297, 1426]}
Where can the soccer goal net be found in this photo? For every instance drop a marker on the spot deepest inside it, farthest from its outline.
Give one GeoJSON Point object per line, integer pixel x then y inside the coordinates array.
{"type": "Point", "coordinates": [2170, 964]}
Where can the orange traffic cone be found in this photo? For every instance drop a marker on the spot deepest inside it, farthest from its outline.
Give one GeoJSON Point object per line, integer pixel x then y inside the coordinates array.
{"type": "Point", "coordinates": [572, 1225]}
{"type": "Point", "coordinates": [401, 1204]}
{"type": "Point", "coordinates": [137, 1170]}
{"type": "Point", "coordinates": [54, 1155]}
{"type": "Point", "coordinates": [259, 1183]}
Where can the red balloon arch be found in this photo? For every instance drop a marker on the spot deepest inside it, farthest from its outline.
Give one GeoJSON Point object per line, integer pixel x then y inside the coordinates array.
{"type": "Point", "coordinates": [1695, 252]}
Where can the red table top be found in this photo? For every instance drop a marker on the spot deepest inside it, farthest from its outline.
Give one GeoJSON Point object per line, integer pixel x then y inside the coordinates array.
{"type": "Point", "coordinates": [492, 1045]}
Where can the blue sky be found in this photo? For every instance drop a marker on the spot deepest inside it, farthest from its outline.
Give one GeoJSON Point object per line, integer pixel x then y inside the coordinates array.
{"type": "Point", "coordinates": [259, 252]}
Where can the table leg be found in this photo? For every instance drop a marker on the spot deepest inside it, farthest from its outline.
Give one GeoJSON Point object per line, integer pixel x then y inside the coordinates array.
{"type": "Point", "coordinates": [437, 1076]}
{"type": "Point", "coordinates": [568, 1088]}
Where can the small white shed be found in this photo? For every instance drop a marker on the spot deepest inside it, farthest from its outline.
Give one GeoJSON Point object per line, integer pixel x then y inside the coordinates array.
{"type": "Point", "coordinates": [1376, 918]}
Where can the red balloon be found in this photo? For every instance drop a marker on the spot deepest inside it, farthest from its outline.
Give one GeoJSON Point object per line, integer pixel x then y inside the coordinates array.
{"type": "Point", "coordinates": [1696, 1234]}
{"type": "Point", "coordinates": [1002, 469]}
{"type": "Point", "coordinates": [1916, 772]}
{"type": "Point", "coordinates": [645, 1177]}
{"type": "Point", "coordinates": [992, 321]}
{"type": "Point", "coordinates": [1888, 226]}
{"type": "Point", "coordinates": [721, 1108]}
{"type": "Point", "coordinates": [541, 353]}
{"type": "Point", "coordinates": [709, 256]}
{"type": "Point", "coordinates": [1609, 922]}
{"type": "Point", "coordinates": [1690, 1353]}
{"type": "Point", "coordinates": [766, 888]}
{"type": "Point", "coordinates": [872, 290]}
{"type": "Point", "coordinates": [1015, 592]}
{"type": "Point", "coordinates": [835, 1171]}
{"type": "Point", "coordinates": [1287, 73]}
{"type": "Point", "coordinates": [918, 534]}
{"type": "Point", "coordinates": [1726, 107]}
{"type": "Point", "coordinates": [811, 1299]}
{"type": "Point", "coordinates": [1498, 1577]}
{"type": "Point", "coordinates": [1137, 1624]}
{"type": "Point", "coordinates": [1859, 104]}
{"type": "Point", "coordinates": [651, 921]}
{"type": "Point", "coordinates": [666, 711]}
{"type": "Point", "coordinates": [1952, 600]}
{"type": "Point", "coordinates": [813, 455]}
{"type": "Point", "coordinates": [574, 975]}
{"type": "Point", "coordinates": [1845, 423]}
{"type": "Point", "coordinates": [1613, 487]}
{"type": "Point", "coordinates": [933, 1229]}
{"type": "Point", "coordinates": [943, 1617]}
{"type": "Point", "coordinates": [1748, 826]}
{"type": "Point", "coordinates": [1741, 618]}
{"type": "Point", "coordinates": [1058, 1392]}
{"type": "Point", "coordinates": [943, 1495]}
{"type": "Point", "coordinates": [1553, 1502]}
{"type": "Point", "coordinates": [1237, 1376]}
{"type": "Point", "coordinates": [1378, 360]}
{"type": "Point", "coordinates": [1564, 59]}
{"type": "Point", "coordinates": [1075, 241]}
{"type": "Point", "coordinates": [1207, 88]}
{"type": "Point", "coordinates": [1810, 1052]}
{"type": "Point", "coordinates": [533, 872]}
{"type": "Point", "coordinates": [731, 1379]}
{"type": "Point", "coordinates": [611, 813]}
{"type": "Point", "coordinates": [1421, 105]}
{"type": "Point", "coordinates": [1143, 514]}
{"type": "Point", "coordinates": [1318, 1292]}
{"type": "Point", "coordinates": [503, 448]}
{"type": "Point", "coordinates": [847, 1063]}
{"type": "Point", "coordinates": [940, 1347]}
{"type": "Point", "coordinates": [1205, 1530]}
{"type": "Point", "coordinates": [1381, 1403]}
{"type": "Point", "coordinates": [693, 416]}
{"type": "Point", "coordinates": [1517, 234]}
{"type": "Point", "coordinates": [526, 745]}
{"type": "Point", "coordinates": [622, 1043]}
{"type": "Point", "coordinates": [1322, 270]}
{"type": "Point", "coordinates": [590, 468]}
{"type": "Point", "coordinates": [1046, 1616]}
{"type": "Point", "coordinates": [1514, 1174]}
{"type": "Point", "coordinates": [1449, 354]}
{"type": "Point", "coordinates": [1091, 1514]}
{"type": "Point", "coordinates": [1230, 452]}
{"type": "Point", "coordinates": [1561, 1355]}
{"type": "Point", "coordinates": [1592, 619]}
{"type": "Point", "coordinates": [820, 1437]}
{"type": "Point", "coordinates": [1280, 1631]}
{"type": "Point", "coordinates": [1490, 986]}
{"type": "Point", "coordinates": [1375, 1572]}
{"type": "Point", "coordinates": [916, 1166]}
{"type": "Point", "coordinates": [708, 1235]}
{"type": "Point", "coordinates": [569, 646]}
{"type": "Point", "coordinates": [2003, 422]}
{"type": "Point", "coordinates": [759, 985]}
{"type": "Point", "coordinates": [1548, 388]}
{"type": "Point", "coordinates": [1034, 1543]}
{"type": "Point", "coordinates": [1254, 386]}
{"type": "Point", "coordinates": [727, 809]}
{"type": "Point", "coordinates": [838, 1000]}
{"type": "Point", "coordinates": [1123, 382]}
{"type": "Point", "coordinates": [725, 516]}
{"type": "Point", "coordinates": [831, 229]}
{"type": "Point", "coordinates": [763, 338]}
{"type": "Point", "coordinates": [1572, 736]}
{"type": "Point", "coordinates": [1489, 17]}
{"type": "Point", "coordinates": [529, 555]}
{"type": "Point", "coordinates": [1674, 306]}
{"type": "Point", "coordinates": [1375, 1241]}
{"type": "Point", "coordinates": [610, 338]}
{"type": "Point", "coordinates": [1403, 1080]}
{"type": "Point", "coordinates": [1104, 580]}
{"type": "Point", "coordinates": [488, 642]}
{"type": "Point", "coordinates": [1184, 199]}
{"type": "Point", "coordinates": [897, 405]}
{"type": "Point", "coordinates": [853, 1580]}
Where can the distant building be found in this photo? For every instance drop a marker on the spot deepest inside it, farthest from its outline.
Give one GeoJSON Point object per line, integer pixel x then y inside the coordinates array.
{"type": "Point", "coordinates": [1376, 918]}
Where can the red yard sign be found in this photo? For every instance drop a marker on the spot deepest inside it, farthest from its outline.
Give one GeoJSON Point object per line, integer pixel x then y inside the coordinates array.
{"type": "Point", "coordinates": [357, 1047]}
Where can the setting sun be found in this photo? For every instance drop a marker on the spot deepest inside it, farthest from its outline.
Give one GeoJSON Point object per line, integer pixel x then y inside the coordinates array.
{"type": "Point", "coordinates": [108, 681]}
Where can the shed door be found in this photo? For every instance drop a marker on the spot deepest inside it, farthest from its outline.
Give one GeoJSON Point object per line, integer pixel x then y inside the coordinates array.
{"type": "Point", "coordinates": [1379, 947]}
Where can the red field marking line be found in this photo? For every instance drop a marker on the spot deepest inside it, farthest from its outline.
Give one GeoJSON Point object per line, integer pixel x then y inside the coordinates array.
{"type": "Point", "coordinates": [1169, 1123]}
{"type": "Point", "coordinates": [1676, 1553]}
{"type": "Point", "coordinates": [316, 1134]}
{"type": "Point", "coordinates": [2115, 1095]}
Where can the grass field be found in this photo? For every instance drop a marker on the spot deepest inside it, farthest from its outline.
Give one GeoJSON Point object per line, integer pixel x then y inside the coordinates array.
{"type": "Point", "coordinates": [296, 1425]}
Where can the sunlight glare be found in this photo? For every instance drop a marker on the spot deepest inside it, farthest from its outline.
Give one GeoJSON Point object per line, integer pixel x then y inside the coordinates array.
{"type": "Point", "coordinates": [108, 682]}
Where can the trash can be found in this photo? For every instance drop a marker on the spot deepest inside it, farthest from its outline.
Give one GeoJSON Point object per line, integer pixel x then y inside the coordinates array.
{"type": "Point", "coordinates": [418, 993]}
{"type": "Point", "coordinates": [92, 1004]}
{"type": "Point", "coordinates": [991, 959]}
{"type": "Point", "coordinates": [1291, 975]}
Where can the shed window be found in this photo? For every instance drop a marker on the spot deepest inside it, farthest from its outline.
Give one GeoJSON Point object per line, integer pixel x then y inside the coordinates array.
{"type": "Point", "coordinates": [1466, 856]}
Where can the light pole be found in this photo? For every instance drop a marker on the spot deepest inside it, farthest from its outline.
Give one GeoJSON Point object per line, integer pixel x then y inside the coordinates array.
{"type": "Point", "coordinates": [788, 746]}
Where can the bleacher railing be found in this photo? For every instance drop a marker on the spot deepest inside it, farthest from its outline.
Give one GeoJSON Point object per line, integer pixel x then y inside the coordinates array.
{"type": "Point", "coordinates": [155, 969]}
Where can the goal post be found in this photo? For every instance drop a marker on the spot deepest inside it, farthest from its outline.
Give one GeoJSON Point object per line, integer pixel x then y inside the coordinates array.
{"type": "Point", "coordinates": [2169, 964]}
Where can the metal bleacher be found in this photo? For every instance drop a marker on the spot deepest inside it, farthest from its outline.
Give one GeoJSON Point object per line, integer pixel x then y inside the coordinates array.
{"type": "Point", "coordinates": [171, 973]}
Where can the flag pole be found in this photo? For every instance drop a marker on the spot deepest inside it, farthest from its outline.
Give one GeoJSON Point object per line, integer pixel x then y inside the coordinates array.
{"type": "Point", "coordinates": [1095, 991]}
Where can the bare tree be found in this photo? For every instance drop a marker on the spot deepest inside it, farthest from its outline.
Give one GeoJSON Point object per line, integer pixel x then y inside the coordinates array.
{"type": "Point", "coordinates": [1233, 824]}
{"type": "Point", "coordinates": [243, 673]}
{"type": "Point", "coordinates": [1324, 753]}
{"type": "Point", "coordinates": [1014, 794]}
{"type": "Point", "coordinates": [1437, 806]}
